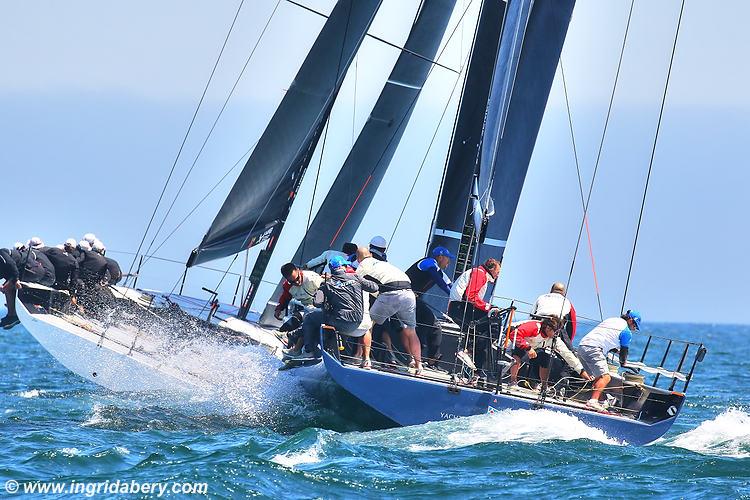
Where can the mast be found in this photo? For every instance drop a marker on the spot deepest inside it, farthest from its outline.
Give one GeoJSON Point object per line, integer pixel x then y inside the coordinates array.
{"type": "Point", "coordinates": [490, 171]}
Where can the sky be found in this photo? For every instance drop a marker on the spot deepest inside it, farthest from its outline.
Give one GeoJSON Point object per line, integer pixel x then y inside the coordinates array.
{"type": "Point", "coordinates": [96, 97]}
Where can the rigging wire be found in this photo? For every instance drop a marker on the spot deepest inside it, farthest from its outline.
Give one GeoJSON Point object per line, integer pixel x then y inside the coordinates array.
{"type": "Point", "coordinates": [580, 189]}
{"type": "Point", "coordinates": [601, 144]}
{"type": "Point", "coordinates": [402, 121]}
{"type": "Point", "coordinates": [382, 40]}
{"type": "Point", "coordinates": [187, 133]}
{"type": "Point", "coordinates": [213, 126]}
{"type": "Point", "coordinates": [315, 187]}
{"type": "Point", "coordinates": [184, 219]}
{"type": "Point", "coordinates": [653, 153]}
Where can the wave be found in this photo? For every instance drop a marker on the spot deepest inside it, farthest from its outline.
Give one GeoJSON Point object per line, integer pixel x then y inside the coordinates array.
{"type": "Point", "coordinates": [506, 426]}
{"type": "Point", "coordinates": [310, 455]}
{"type": "Point", "coordinates": [33, 393]}
{"type": "Point", "coordinates": [726, 435]}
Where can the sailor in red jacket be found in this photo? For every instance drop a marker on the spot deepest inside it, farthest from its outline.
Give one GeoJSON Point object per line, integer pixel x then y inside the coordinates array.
{"type": "Point", "coordinates": [534, 338]}
{"type": "Point", "coordinates": [467, 304]}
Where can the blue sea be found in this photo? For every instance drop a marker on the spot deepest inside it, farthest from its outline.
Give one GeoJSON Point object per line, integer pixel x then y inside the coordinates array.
{"type": "Point", "coordinates": [258, 434]}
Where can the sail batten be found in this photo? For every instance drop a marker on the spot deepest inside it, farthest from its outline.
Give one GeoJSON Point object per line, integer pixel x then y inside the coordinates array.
{"type": "Point", "coordinates": [263, 193]}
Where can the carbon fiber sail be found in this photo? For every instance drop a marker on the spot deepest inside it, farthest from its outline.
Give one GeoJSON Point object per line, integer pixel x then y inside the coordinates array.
{"type": "Point", "coordinates": [458, 181]}
{"type": "Point", "coordinates": [529, 52]}
{"type": "Point", "coordinates": [495, 169]}
{"type": "Point", "coordinates": [360, 176]}
{"type": "Point", "coordinates": [261, 198]}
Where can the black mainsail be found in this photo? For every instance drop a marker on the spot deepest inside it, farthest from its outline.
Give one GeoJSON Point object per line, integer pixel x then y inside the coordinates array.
{"type": "Point", "coordinates": [261, 198]}
{"type": "Point", "coordinates": [485, 172]}
{"type": "Point", "coordinates": [458, 180]}
{"type": "Point", "coordinates": [352, 191]}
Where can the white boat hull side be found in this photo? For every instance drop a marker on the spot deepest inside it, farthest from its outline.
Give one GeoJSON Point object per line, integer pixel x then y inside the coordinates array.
{"type": "Point", "coordinates": [105, 362]}
{"type": "Point", "coordinates": [257, 333]}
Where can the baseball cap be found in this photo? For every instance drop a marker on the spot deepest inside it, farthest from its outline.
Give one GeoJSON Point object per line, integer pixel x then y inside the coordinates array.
{"type": "Point", "coordinates": [337, 261]}
{"type": "Point", "coordinates": [438, 251]}
{"type": "Point", "coordinates": [378, 242]}
{"type": "Point", "coordinates": [635, 316]}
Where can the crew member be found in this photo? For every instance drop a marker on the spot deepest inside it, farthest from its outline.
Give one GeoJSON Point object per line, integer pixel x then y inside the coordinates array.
{"type": "Point", "coordinates": [66, 268]}
{"type": "Point", "coordinates": [612, 334]}
{"type": "Point", "coordinates": [343, 308]}
{"type": "Point", "coordinates": [534, 337]}
{"type": "Point", "coordinates": [424, 274]}
{"type": "Point", "coordinates": [347, 250]}
{"type": "Point", "coordinates": [395, 299]}
{"type": "Point", "coordinates": [467, 304]}
{"type": "Point", "coordinates": [377, 248]}
{"type": "Point", "coordinates": [300, 285]}
{"type": "Point", "coordinates": [556, 304]}
{"type": "Point", "coordinates": [9, 272]}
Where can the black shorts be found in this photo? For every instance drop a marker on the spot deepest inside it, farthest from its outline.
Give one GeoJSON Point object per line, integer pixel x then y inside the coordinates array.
{"type": "Point", "coordinates": [542, 357]}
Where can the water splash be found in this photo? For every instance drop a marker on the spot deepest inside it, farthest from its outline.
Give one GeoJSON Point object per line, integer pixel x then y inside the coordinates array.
{"type": "Point", "coordinates": [726, 435]}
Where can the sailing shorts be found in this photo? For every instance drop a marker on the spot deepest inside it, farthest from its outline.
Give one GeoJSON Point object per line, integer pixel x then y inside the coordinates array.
{"type": "Point", "coordinates": [593, 360]}
{"type": "Point", "coordinates": [542, 356]}
{"type": "Point", "coordinates": [401, 303]}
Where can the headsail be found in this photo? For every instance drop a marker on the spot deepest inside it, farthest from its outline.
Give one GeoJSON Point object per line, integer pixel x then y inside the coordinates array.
{"type": "Point", "coordinates": [496, 163]}
{"type": "Point", "coordinates": [350, 195]}
{"type": "Point", "coordinates": [262, 195]}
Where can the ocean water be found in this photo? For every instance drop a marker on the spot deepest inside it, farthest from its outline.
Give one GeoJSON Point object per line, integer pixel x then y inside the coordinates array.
{"type": "Point", "coordinates": [257, 434]}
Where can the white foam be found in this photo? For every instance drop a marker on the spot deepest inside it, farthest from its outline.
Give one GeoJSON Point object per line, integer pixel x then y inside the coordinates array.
{"type": "Point", "coordinates": [70, 452]}
{"type": "Point", "coordinates": [96, 417]}
{"type": "Point", "coordinates": [121, 450]}
{"type": "Point", "coordinates": [726, 435]}
{"type": "Point", "coordinates": [239, 380]}
{"type": "Point", "coordinates": [311, 455]}
{"type": "Point", "coordinates": [521, 426]}
{"type": "Point", "coordinates": [33, 393]}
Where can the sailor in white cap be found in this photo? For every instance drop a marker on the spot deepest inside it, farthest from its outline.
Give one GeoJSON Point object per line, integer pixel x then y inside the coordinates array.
{"type": "Point", "coordinates": [36, 243]}
{"type": "Point", "coordinates": [377, 248]}
{"type": "Point", "coordinates": [90, 238]}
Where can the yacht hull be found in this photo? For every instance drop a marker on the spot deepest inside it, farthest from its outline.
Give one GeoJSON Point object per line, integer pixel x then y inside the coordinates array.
{"type": "Point", "coordinates": [115, 360]}
{"type": "Point", "coordinates": [409, 400]}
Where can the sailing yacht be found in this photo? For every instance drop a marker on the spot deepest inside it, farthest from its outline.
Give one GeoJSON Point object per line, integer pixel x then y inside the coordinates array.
{"type": "Point", "coordinates": [515, 51]}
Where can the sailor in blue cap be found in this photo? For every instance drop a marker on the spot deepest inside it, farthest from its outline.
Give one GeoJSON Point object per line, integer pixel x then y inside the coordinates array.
{"type": "Point", "coordinates": [612, 334]}
{"type": "Point", "coordinates": [424, 274]}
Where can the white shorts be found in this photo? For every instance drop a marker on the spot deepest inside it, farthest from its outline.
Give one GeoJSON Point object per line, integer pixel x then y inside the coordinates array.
{"type": "Point", "coordinates": [401, 303]}
{"type": "Point", "coordinates": [593, 360]}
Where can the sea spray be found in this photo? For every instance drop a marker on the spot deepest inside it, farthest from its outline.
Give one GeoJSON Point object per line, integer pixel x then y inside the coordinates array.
{"type": "Point", "coordinates": [726, 435]}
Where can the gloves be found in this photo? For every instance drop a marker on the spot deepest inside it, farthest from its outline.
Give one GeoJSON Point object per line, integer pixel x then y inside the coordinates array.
{"type": "Point", "coordinates": [493, 313]}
